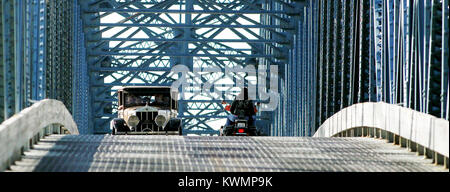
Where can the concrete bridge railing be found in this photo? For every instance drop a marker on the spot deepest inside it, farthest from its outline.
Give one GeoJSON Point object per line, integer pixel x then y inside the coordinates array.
{"type": "Point", "coordinates": [419, 132]}
{"type": "Point", "coordinates": [20, 132]}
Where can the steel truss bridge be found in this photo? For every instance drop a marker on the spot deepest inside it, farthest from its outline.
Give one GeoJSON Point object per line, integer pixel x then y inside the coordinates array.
{"type": "Point", "coordinates": [330, 55]}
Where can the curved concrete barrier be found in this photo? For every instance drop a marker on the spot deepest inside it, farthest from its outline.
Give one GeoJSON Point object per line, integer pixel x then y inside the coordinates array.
{"type": "Point", "coordinates": [22, 130]}
{"type": "Point", "coordinates": [392, 122]}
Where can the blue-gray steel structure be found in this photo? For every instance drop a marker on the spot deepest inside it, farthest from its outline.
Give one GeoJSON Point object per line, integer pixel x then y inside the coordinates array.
{"type": "Point", "coordinates": [393, 51]}
{"type": "Point", "coordinates": [35, 53]}
{"type": "Point", "coordinates": [353, 51]}
{"type": "Point", "coordinates": [151, 37]}
{"type": "Point", "coordinates": [330, 55]}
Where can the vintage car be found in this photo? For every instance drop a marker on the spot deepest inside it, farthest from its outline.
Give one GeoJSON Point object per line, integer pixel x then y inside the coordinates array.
{"type": "Point", "coordinates": [147, 110]}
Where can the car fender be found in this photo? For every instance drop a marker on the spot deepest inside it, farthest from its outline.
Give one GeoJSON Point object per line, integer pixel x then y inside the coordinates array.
{"type": "Point", "coordinates": [174, 124]}
{"type": "Point", "coordinates": [119, 124]}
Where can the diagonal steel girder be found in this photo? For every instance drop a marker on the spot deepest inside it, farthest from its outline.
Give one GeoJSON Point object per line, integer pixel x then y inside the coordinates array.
{"type": "Point", "coordinates": [128, 67]}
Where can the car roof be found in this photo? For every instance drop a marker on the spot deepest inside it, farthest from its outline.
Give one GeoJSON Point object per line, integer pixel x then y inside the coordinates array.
{"type": "Point", "coordinates": [128, 88]}
{"type": "Point", "coordinates": [141, 87]}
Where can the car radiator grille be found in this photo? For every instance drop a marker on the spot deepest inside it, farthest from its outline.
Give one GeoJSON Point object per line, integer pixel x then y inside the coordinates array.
{"type": "Point", "coordinates": [147, 121]}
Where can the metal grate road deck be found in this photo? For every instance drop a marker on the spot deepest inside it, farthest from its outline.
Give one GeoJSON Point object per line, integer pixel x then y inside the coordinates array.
{"type": "Point", "coordinates": [193, 154]}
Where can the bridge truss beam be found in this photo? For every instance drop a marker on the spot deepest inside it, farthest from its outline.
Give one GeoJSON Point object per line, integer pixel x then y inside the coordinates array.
{"type": "Point", "coordinates": [330, 55]}
{"type": "Point", "coordinates": [138, 42]}
{"type": "Point", "coordinates": [35, 53]}
{"type": "Point", "coordinates": [376, 50]}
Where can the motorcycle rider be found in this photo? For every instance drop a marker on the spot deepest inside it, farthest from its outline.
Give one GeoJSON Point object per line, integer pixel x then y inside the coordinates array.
{"type": "Point", "coordinates": [242, 107]}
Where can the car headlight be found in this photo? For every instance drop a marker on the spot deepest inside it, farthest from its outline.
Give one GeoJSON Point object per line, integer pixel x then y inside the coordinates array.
{"type": "Point", "coordinates": [160, 120]}
{"type": "Point", "coordinates": [133, 121]}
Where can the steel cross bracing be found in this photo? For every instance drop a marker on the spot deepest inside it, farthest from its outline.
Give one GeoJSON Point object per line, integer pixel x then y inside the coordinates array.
{"type": "Point", "coordinates": [353, 51]}
{"type": "Point", "coordinates": [35, 53]}
{"type": "Point", "coordinates": [147, 38]}
{"type": "Point", "coordinates": [395, 51]}
{"type": "Point", "coordinates": [330, 55]}
{"type": "Point", "coordinates": [59, 74]}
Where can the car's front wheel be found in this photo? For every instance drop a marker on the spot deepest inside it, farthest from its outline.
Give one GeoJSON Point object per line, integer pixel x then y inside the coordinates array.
{"type": "Point", "coordinates": [118, 125]}
{"type": "Point", "coordinates": [175, 125]}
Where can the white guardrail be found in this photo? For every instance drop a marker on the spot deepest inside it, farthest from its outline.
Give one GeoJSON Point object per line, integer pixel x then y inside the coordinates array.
{"type": "Point", "coordinates": [420, 132]}
{"type": "Point", "coordinates": [21, 131]}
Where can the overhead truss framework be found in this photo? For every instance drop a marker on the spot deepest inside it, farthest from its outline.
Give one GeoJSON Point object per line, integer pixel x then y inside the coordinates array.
{"type": "Point", "coordinates": [330, 55]}
{"type": "Point", "coordinates": [138, 42]}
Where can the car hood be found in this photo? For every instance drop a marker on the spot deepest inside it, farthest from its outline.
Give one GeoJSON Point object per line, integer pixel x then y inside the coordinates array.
{"type": "Point", "coordinates": [148, 109]}
{"type": "Point", "coordinates": [143, 109]}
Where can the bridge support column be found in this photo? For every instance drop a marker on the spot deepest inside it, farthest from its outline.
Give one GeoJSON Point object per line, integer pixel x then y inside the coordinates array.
{"type": "Point", "coordinates": [17, 156]}
{"type": "Point", "coordinates": [429, 154]}
{"type": "Point", "coordinates": [446, 162]}
{"type": "Point", "coordinates": [396, 139]}
{"type": "Point", "coordinates": [376, 133]}
{"type": "Point", "coordinates": [31, 142]}
{"type": "Point", "coordinates": [48, 130]}
{"type": "Point", "coordinates": [35, 139]}
{"type": "Point", "coordinates": [420, 150]}
{"type": "Point", "coordinates": [412, 146]}
{"type": "Point", "coordinates": [390, 137]}
{"type": "Point", "coordinates": [438, 159]}
{"type": "Point", "coordinates": [383, 134]}
{"type": "Point", "coordinates": [56, 129]}
{"type": "Point", "coordinates": [25, 147]}
{"type": "Point", "coordinates": [358, 132]}
{"type": "Point", "coordinates": [403, 142]}
{"type": "Point", "coordinates": [42, 134]}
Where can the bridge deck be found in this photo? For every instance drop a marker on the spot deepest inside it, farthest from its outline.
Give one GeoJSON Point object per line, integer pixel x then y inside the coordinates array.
{"type": "Point", "coordinates": [192, 154]}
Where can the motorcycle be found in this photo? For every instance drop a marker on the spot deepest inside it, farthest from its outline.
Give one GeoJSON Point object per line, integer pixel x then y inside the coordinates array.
{"type": "Point", "coordinates": [240, 127]}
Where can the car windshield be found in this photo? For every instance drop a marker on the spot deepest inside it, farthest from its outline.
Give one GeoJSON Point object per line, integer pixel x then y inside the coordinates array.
{"type": "Point", "coordinates": [160, 100]}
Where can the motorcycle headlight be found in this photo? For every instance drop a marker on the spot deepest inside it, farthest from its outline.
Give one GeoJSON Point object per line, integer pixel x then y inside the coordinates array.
{"type": "Point", "coordinates": [133, 121]}
{"type": "Point", "coordinates": [160, 120]}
